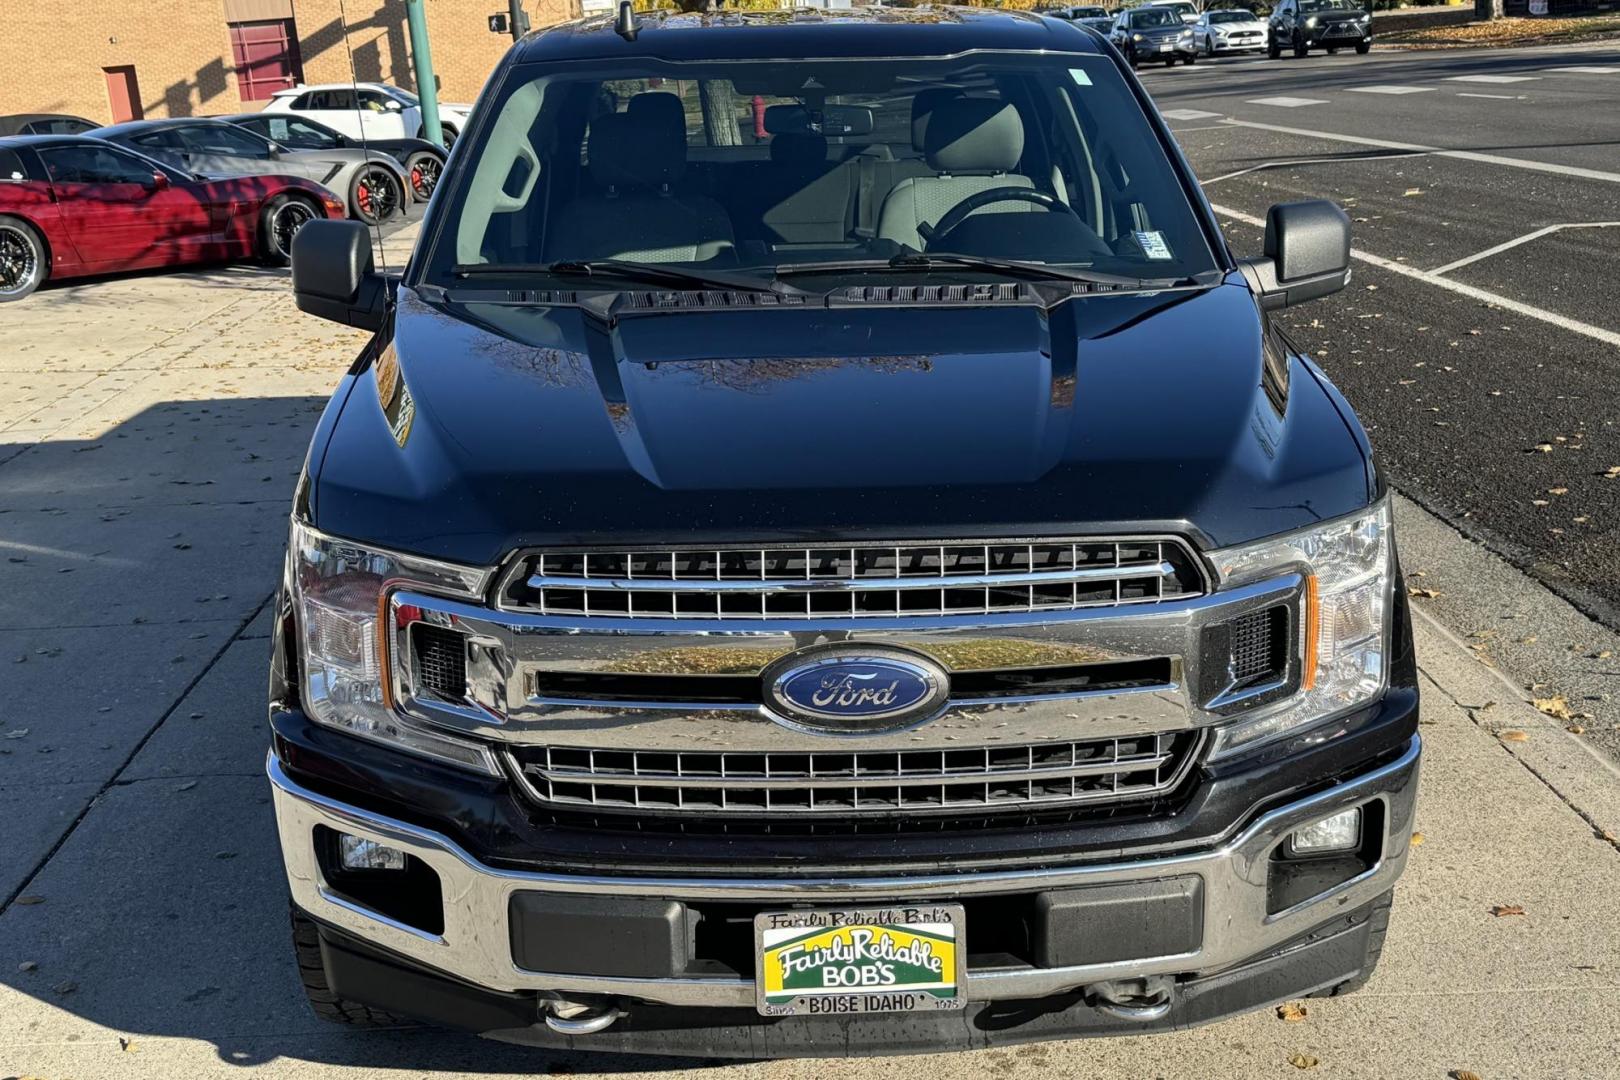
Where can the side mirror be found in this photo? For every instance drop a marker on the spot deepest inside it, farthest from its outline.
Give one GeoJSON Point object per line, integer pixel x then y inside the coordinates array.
{"type": "Point", "coordinates": [393, 106]}
{"type": "Point", "coordinates": [1307, 254]}
{"type": "Point", "coordinates": [160, 180]}
{"type": "Point", "coordinates": [333, 276]}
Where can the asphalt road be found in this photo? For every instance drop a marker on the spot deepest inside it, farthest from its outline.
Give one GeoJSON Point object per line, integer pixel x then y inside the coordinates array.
{"type": "Point", "coordinates": [1486, 374]}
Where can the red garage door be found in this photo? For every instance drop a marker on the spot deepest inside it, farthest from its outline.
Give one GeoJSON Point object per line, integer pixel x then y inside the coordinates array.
{"type": "Point", "coordinates": [266, 57]}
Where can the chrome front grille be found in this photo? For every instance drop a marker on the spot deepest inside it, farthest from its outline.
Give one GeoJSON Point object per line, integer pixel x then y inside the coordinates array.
{"type": "Point", "coordinates": [862, 581]}
{"type": "Point", "coordinates": [1128, 768]}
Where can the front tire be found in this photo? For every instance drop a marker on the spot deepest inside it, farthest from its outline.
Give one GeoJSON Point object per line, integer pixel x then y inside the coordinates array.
{"type": "Point", "coordinates": [1191, 58]}
{"type": "Point", "coordinates": [279, 222]}
{"type": "Point", "coordinates": [423, 170]}
{"type": "Point", "coordinates": [1363, 48]}
{"type": "Point", "coordinates": [374, 194]}
{"type": "Point", "coordinates": [312, 974]}
{"type": "Point", "coordinates": [24, 263]}
{"type": "Point", "coordinates": [1273, 47]}
{"type": "Point", "coordinates": [1301, 49]}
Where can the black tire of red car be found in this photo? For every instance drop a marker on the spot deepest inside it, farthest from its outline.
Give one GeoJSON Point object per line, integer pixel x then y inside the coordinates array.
{"type": "Point", "coordinates": [375, 194]}
{"type": "Point", "coordinates": [1363, 48]}
{"type": "Point", "coordinates": [312, 974]}
{"type": "Point", "coordinates": [24, 262]}
{"type": "Point", "coordinates": [279, 222]}
{"type": "Point", "coordinates": [423, 170]}
{"type": "Point", "coordinates": [1378, 929]}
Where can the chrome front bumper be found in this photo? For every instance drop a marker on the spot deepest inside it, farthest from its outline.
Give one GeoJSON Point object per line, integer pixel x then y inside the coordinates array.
{"type": "Point", "coordinates": [476, 943]}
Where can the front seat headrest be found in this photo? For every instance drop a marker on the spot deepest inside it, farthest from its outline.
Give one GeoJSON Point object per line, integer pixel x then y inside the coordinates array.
{"type": "Point", "coordinates": [923, 104]}
{"type": "Point", "coordinates": [658, 107]}
{"type": "Point", "coordinates": [974, 135]}
{"type": "Point", "coordinates": [628, 151]}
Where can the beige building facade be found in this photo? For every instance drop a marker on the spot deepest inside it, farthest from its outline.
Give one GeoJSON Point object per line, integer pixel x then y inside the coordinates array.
{"type": "Point", "coordinates": [112, 60]}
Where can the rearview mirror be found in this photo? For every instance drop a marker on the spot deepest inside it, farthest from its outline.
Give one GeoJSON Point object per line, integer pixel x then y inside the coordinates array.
{"type": "Point", "coordinates": [1307, 254]}
{"type": "Point", "coordinates": [333, 276]}
{"type": "Point", "coordinates": [829, 120]}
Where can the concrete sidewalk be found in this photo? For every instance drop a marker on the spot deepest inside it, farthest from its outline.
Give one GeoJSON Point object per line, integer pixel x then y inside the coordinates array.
{"type": "Point", "coordinates": [146, 459]}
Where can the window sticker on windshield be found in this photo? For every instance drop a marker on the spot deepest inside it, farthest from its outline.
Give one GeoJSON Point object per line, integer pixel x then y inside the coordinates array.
{"type": "Point", "coordinates": [1080, 78]}
{"type": "Point", "coordinates": [1153, 245]}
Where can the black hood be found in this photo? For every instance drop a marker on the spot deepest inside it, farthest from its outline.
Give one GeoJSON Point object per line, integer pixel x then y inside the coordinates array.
{"type": "Point", "coordinates": [520, 426]}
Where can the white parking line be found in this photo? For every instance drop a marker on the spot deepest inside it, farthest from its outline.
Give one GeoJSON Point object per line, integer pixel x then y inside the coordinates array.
{"type": "Point", "coordinates": [1525, 239]}
{"type": "Point", "coordinates": [1492, 78]}
{"type": "Point", "coordinates": [1494, 97]}
{"type": "Point", "coordinates": [1388, 89]}
{"type": "Point", "coordinates": [1286, 102]}
{"type": "Point", "coordinates": [1301, 161]}
{"type": "Point", "coordinates": [1590, 69]}
{"type": "Point", "coordinates": [1461, 155]}
{"type": "Point", "coordinates": [1552, 318]}
{"type": "Point", "coordinates": [1188, 114]}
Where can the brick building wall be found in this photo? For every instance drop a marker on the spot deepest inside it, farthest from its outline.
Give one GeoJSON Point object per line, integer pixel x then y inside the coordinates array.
{"type": "Point", "coordinates": [53, 53]}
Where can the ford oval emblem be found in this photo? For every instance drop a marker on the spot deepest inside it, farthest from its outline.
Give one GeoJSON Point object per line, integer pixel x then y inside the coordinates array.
{"type": "Point", "coordinates": [853, 690]}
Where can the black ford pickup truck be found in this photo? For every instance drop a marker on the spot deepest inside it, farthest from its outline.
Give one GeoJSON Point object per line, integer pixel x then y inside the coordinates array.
{"type": "Point", "coordinates": [827, 552]}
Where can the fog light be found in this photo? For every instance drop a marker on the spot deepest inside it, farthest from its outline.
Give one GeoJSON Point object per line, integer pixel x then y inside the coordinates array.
{"type": "Point", "coordinates": [1341, 832]}
{"type": "Point", "coordinates": [361, 854]}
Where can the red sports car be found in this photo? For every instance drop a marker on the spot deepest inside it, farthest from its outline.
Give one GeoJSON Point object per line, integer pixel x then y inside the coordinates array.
{"type": "Point", "coordinates": [71, 206]}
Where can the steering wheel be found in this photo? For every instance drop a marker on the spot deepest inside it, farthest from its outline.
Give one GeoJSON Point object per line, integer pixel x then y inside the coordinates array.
{"type": "Point", "coordinates": [959, 213]}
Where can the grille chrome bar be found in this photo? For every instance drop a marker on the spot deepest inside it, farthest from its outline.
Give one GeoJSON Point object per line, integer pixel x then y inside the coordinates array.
{"type": "Point", "coordinates": [863, 581]}
{"type": "Point", "coordinates": [734, 782]}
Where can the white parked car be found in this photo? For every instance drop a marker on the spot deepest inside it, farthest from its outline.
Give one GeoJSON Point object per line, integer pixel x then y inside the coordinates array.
{"type": "Point", "coordinates": [1186, 9]}
{"type": "Point", "coordinates": [1232, 31]}
{"type": "Point", "coordinates": [368, 110]}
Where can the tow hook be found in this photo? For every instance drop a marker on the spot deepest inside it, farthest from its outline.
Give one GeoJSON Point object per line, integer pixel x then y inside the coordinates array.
{"type": "Point", "coordinates": [567, 1017]}
{"type": "Point", "coordinates": [1140, 1000]}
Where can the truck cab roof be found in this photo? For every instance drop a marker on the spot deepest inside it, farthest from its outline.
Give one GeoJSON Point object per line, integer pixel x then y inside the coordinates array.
{"type": "Point", "coordinates": [852, 33]}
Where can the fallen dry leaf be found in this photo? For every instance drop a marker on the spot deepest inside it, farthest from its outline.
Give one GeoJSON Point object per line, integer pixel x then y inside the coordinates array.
{"type": "Point", "coordinates": [1417, 839]}
{"type": "Point", "coordinates": [1303, 1061]}
{"type": "Point", "coordinates": [1292, 1011]}
{"type": "Point", "coordinates": [1422, 591]}
{"type": "Point", "coordinates": [1555, 706]}
{"type": "Point", "coordinates": [1575, 729]}
{"type": "Point", "coordinates": [27, 900]}
{"type": "Point", "coordinates": [1513, 736]}
{"type": "Point", "coordinates": [1463, 1074]}
{"type": "Point", "coordinates": [1506, 909]}
{"type": "Point", "coordinates": [1612, 472]}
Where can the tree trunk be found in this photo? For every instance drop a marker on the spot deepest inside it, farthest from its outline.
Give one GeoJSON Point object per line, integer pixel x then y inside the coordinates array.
{"type": "Point", "coordinates": [719, 112]}
{"type": "Point", "coordinates": [1489, 9]}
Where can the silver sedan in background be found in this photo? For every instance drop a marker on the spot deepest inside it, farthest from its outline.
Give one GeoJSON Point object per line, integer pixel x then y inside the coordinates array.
{"type": "Point", "coordinates": [371, 185]}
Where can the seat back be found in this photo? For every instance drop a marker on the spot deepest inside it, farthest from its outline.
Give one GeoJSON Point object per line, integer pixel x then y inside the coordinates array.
{"type": "Point", "coordinates": [636, 160]}
{"type": "Point", "coordinates": [970, 145]}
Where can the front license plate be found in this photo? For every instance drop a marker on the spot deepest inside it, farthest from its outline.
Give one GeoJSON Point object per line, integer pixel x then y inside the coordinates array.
{"type": "Point", "coordinates": [856, 962]}
{"type": "Point", "coordinates": [1166, 48]}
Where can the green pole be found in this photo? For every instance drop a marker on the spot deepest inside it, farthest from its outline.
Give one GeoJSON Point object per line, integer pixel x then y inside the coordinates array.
{"type": "Point", "coordinates": [427, 86]}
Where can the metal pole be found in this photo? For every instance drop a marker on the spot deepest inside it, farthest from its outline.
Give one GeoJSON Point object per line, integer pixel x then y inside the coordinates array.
{"type": "Point", "coordinates": [516, 19]}
{"type": "Point", "coordinates": [427, 86]}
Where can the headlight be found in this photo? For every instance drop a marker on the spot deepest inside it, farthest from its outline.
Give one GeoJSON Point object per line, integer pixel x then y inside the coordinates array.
{"type": "Point", "coordinates": [1136, 37]}
{"type": "Point", "coordinates": [340, 590]}
{"type": "Point", "coordinates": [1187, 33]}
{"type": "Point", "coordinates": [1349, 571]}
{"type": "Point", "coordinates": [1311, 21]}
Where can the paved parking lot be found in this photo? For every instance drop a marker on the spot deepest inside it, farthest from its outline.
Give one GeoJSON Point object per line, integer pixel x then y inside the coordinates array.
{"type": "Point", "coordinates": [156, 423]}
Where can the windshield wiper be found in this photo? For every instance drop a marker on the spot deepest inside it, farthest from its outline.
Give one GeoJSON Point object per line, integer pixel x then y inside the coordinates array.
{"type": "Point", "coordinates": [624, 270]}
{"type": "Point", "coordinates": [1010, 267]}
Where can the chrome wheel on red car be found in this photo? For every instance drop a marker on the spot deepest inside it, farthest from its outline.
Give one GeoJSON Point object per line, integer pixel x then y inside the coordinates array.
{"type": "Point", "coordinates": [376, 194]}
{"type": "Point", "coordinates": [282, 220]}
{"type": "Point", "coordinates": [22, 260]}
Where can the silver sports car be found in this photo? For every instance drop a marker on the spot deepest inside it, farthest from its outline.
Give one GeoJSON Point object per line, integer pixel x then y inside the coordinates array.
{"type": "Point", "coordinates": [371, 185]}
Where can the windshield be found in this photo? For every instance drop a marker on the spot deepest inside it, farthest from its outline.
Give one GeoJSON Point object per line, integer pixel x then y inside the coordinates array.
{"type": "Point", "coordinates": [752, 167]}
{"type": "Point", "coordinates": [1230, 16]}
{"type": "Point", "coordinates": [1328, 5]}
{"type": "Point", "coordinates": [404, 97]}
{"type": "Point", "coordinates": [1154, 16]}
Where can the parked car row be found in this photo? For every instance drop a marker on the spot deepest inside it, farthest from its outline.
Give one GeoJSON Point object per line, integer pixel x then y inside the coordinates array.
{"type": "Point", "coordinates": [72, 206]}
{"type": "Point", "coordinates": [1170, 30]}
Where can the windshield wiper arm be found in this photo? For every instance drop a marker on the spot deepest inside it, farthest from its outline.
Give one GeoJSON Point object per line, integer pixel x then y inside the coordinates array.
{"type": "Point", "coordinates": [941, 260]}
{"type": "Point", "coordinates": [624, 270]}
